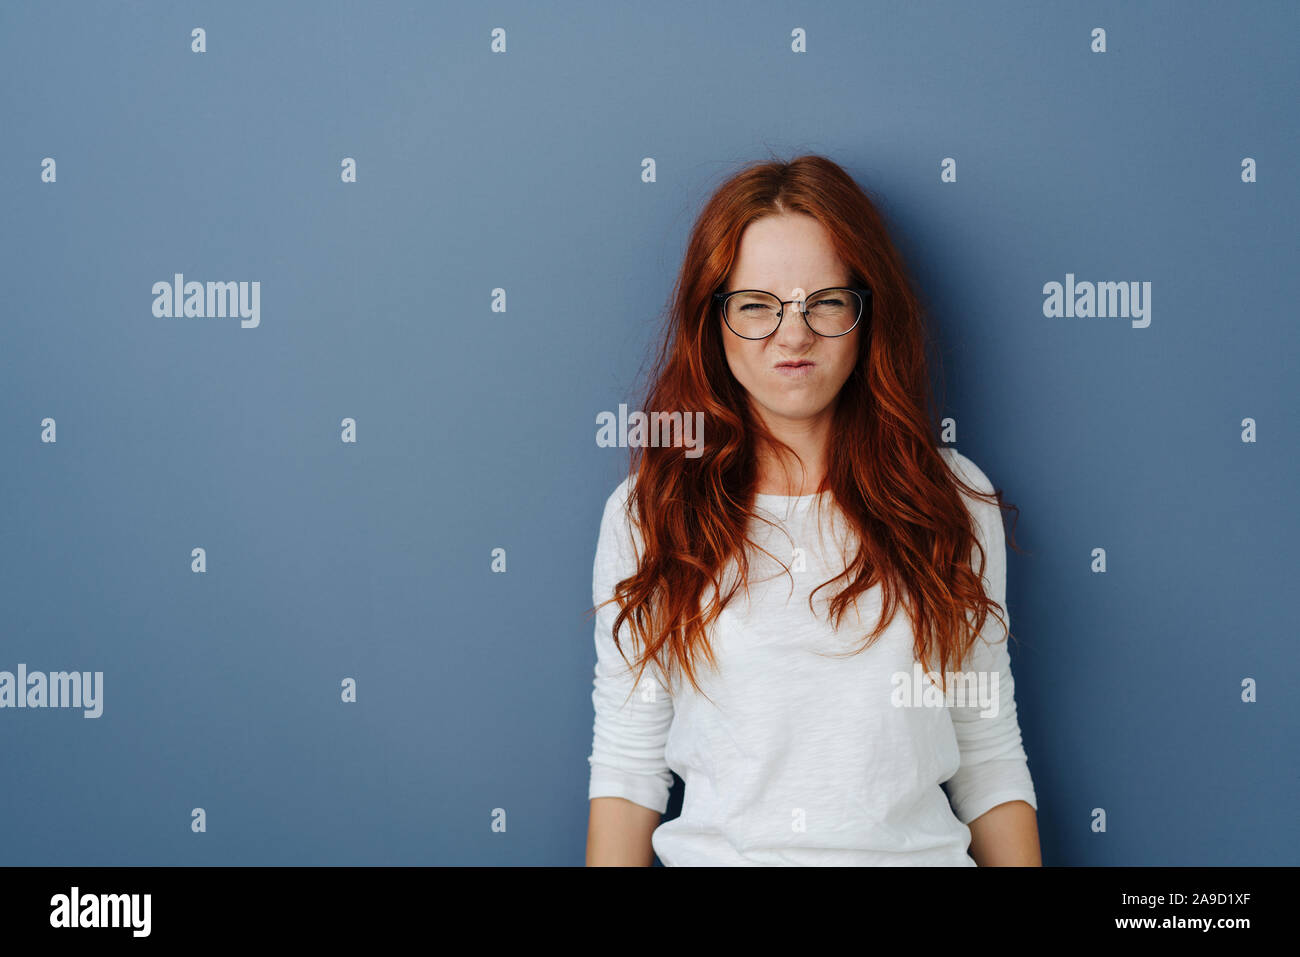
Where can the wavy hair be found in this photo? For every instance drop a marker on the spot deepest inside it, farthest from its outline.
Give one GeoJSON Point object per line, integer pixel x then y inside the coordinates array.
{"type": "Point", "coordinates": [915, 535]}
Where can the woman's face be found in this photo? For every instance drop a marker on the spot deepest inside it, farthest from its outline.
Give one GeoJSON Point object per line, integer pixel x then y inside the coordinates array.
{"type": "Point", "coordinates": [789, 254]}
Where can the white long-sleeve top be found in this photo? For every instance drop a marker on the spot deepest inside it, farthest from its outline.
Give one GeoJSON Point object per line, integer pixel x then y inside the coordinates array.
{"type": "Point", "coordinates": [801, 758]}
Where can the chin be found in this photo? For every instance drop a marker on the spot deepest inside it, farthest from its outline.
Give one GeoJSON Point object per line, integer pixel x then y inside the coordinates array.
{"type": "Point", "coordinates": [796, 410]}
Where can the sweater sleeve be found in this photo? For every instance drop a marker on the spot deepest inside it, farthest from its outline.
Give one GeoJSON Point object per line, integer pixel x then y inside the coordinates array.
{"type": "Point", "coordinates": [994, 768]}
{"type": "Point", "coordinates": [627, 749]}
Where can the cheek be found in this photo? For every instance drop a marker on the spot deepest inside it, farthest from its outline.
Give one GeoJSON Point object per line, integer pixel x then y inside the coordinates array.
{"type": "Point", "coordinates": [742, 361]}
{"type": "Point", "coordinates": [847, 358]}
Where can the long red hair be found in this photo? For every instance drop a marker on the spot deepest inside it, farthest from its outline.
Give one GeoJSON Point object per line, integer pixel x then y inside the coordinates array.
{"type": "Point", "coordinates": [885, 472]}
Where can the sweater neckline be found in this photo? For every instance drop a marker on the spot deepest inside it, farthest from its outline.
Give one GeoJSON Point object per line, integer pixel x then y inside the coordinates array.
{"type": "Point", "coordinates": [766, 498]}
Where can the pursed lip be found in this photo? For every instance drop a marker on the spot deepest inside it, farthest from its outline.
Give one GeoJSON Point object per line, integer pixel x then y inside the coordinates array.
{"type": "Point", "coordinates": [794, 363]}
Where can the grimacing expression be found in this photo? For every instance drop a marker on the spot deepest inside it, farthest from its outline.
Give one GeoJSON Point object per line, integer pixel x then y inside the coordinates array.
{"type": "Point", "coordinates": [789, 254]}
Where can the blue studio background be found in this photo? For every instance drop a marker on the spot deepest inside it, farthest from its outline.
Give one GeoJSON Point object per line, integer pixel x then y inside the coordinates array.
{"type": "Point", "coordinates": [476, 428]}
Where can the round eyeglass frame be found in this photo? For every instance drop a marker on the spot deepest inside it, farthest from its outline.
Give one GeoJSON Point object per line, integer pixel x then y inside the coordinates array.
{"type": "Point", "coordinates": [863, 292]}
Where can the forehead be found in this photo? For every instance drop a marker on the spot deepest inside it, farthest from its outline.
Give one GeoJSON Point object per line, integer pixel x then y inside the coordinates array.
{"type": "Point", "coordinates": [782, 252]}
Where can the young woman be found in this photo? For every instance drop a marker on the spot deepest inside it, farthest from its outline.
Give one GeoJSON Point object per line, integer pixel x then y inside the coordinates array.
{"type": "Point", "coordinates": [764, 608]}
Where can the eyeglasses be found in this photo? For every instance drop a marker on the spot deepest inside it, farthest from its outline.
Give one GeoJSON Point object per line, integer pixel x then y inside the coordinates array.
{"type": "Point", "coordinates": [756, 314]}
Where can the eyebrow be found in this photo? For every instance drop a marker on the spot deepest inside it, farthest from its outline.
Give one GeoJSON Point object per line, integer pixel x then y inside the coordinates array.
{"type": "Point", "coordinates": [834, 285]}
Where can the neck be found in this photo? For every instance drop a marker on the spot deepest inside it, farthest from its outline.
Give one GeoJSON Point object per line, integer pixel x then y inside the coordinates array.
{"type": "Point", "coordinates": [780, 473]}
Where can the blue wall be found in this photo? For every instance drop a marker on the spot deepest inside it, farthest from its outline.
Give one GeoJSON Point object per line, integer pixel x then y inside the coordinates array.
{"type": "Point", "coordinates": [475, 428]}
